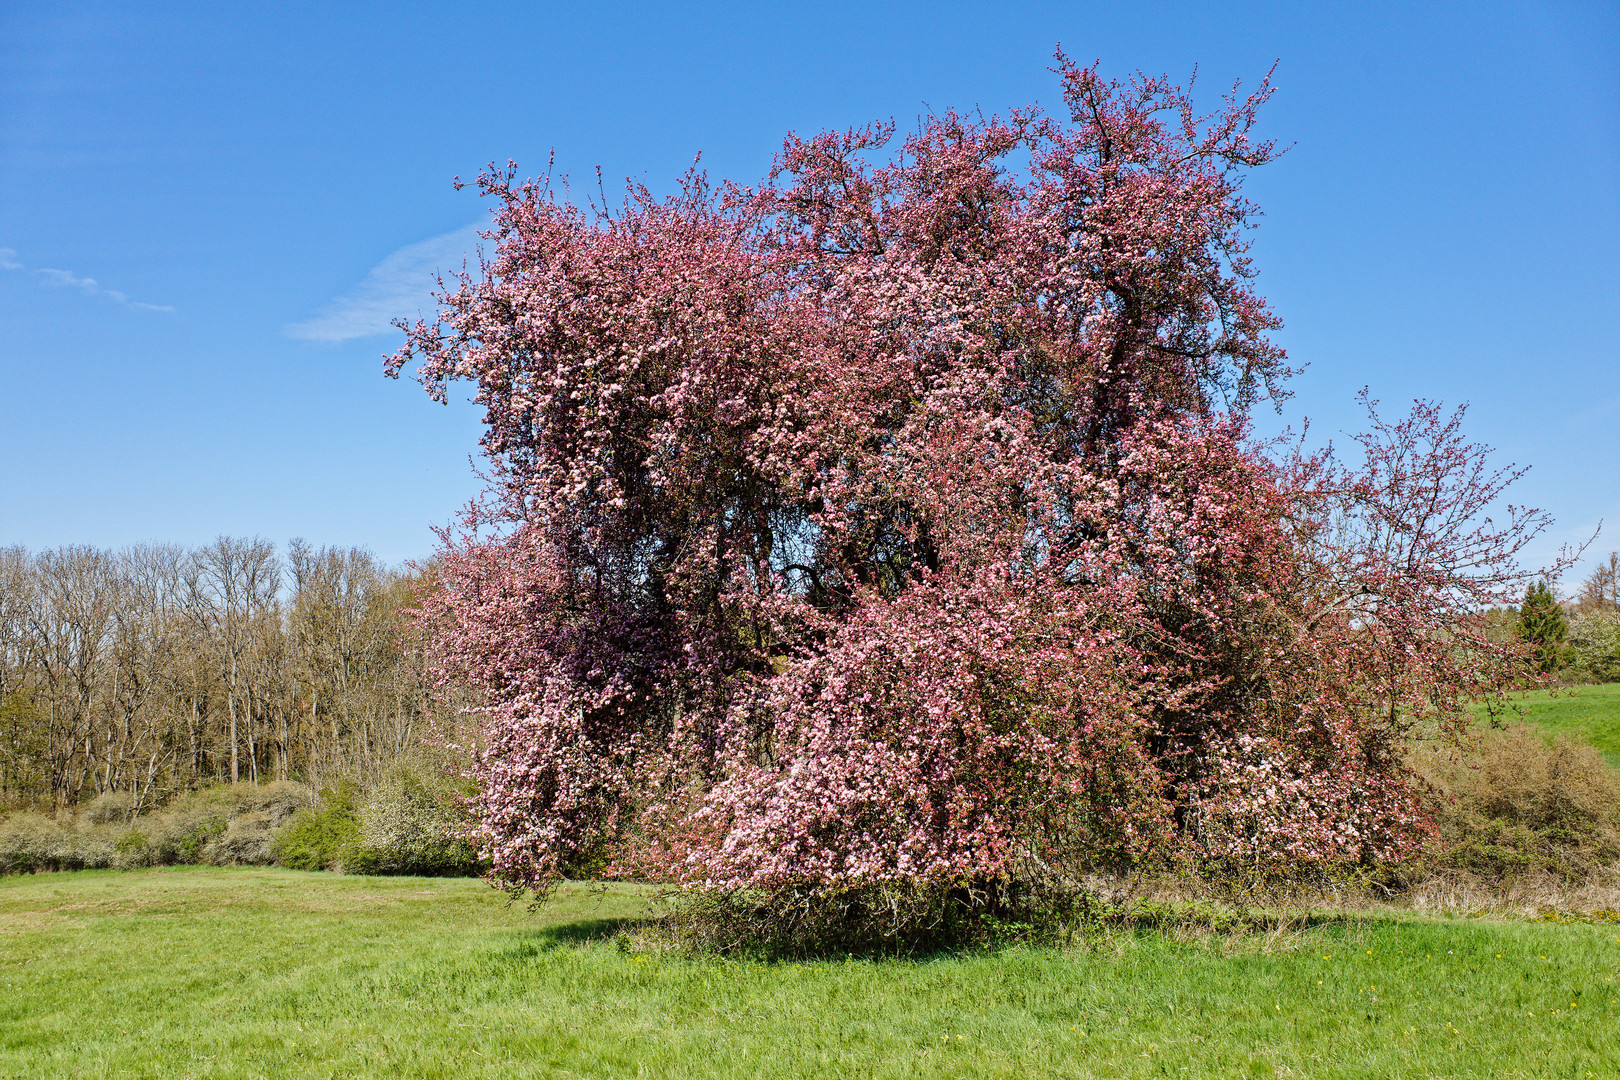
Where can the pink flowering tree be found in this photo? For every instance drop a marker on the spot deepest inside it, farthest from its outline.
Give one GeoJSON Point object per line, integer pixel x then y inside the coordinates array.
{"type": "Point", "coordinates": [896, 524]}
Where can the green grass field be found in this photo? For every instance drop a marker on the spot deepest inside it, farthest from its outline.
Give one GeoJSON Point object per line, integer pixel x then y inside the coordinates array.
{"type": "Point", "coordinates": [1590, 714]}
{"type": "Point", "coordinates": [248, 973]}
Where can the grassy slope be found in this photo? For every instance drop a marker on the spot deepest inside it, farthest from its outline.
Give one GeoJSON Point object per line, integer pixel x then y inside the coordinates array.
{"type": "Point", "coordinates": [210, 973]}
{"type": "Point", "coordinates": [1588, 713]}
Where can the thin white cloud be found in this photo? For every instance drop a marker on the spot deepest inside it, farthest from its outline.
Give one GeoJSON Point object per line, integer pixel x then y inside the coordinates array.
{"type": "Point", "coordinates": [8, 259]}
{"type": "Point", "coordinates": [67, 279]}
{"type": "Point", "coordinates": [401, 285]}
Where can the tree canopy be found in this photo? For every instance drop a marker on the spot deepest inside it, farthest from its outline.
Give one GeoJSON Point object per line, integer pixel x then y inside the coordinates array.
{"type": "Point", "coordinates": [898, 520]}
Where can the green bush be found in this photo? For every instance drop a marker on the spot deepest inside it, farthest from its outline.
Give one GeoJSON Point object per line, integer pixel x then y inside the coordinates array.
{"type": "Point", "coordinates": [248, 840]}
{"type": "Point", "coordinates": [322, 838]}
{"type": "Point", "coordinates": [184, 835]}
{"type": "Point", "coordinates": [108, 808]}
{"type": "Point", "coordinates": [134, 849]}
{"type": "Point", "coordinates": [32, 842]}
{"type": "Point", "coordinates": [1594, 641]}
{"type": "Point", "coordinates": [886, 919]}
{"type": "Point", "coordinates": [412, 825]}
{"type": "Point", "coordinates": [26, 842]}
{"type": "Point", "coordinates": [255, 814]}
{"type": "Point", "coordinates": [225, 825]}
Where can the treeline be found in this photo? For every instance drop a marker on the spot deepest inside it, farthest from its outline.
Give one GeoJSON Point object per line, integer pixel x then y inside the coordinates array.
{"type": "Point", "coordinates": [1576, 639]}
{"type": "Point", "coordinates": [157, 669]}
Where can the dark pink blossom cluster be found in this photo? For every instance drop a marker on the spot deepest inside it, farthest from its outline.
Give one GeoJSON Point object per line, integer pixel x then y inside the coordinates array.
{"type": "Point", "coordinates": [898, 520]}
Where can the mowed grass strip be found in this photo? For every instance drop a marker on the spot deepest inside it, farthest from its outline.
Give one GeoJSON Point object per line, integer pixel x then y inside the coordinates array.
{"type": "Point", "coordinates": [1589, 714]}
{"type": "Point", "coordinates": [268, 973]}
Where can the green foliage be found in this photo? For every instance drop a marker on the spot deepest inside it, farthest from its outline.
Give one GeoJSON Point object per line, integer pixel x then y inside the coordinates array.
{"type": "Point", "coordinates": [1543, 627]}
{"type": "Point", "coordinates": [276, 973]}
{"type": "Point", "coordinates": [187, 836]}
{"type": "Point", "coordinates": [325, 838]}
{"type": "Point", "coordinates": [32, 842]}
{"type": "Point", "coordinates": [24, 749]}
{"type": "Point", "coordinates": [413, 823]}
{"type": "Point", "coordinates": [893, 919]}
{"type": "Point", "coordinates": [884, 922]}
{"type": "Point", "coordinates": [224, 825]}
{"type": "Point", "coordinates": [108, 808]}
{"type": "Point", "coordinates": [1594, 645]}
{"type": "Point", "coordinates": [28, 842]}
{"type": "Point", "coordinates": [135, 845]}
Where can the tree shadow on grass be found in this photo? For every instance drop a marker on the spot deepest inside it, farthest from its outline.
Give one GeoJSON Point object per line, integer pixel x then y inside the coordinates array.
{"type": "Point", "coordinates": [1239, 925]}
{"type": "Point", "coordinates": [576, 933]}
{"type": "Point", "coordinates": [585, 931]}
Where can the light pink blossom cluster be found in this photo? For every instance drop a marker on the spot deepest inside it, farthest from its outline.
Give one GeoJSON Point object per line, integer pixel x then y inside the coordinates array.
{"type": "Point", "coordinates": [1262, 802]}
{"type": "Point", "coordinates": [898, 520]}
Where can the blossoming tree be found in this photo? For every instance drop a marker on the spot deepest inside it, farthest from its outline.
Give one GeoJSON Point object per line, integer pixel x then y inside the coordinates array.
{"type": "Point", "coordinates": [897, 521]}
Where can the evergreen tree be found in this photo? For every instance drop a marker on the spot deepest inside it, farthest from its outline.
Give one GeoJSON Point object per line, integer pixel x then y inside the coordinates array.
{"type": "Point", "coordinates": [1542, 625]}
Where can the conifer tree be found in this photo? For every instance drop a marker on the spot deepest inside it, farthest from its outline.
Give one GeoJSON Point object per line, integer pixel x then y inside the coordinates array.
{"type": "Point", "coordinates": [1543, 627]}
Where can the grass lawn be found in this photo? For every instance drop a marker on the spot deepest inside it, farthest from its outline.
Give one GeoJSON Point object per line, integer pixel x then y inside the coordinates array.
{"type": "Point", "coordinates": [212, 973]}
{"type": "Point", "coordinates": [1588, 713]}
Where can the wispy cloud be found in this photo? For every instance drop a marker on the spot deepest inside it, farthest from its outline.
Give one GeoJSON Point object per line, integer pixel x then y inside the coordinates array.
{"type": "Point", "coordinates": [400, 285]}
{"type": "Point", "coordinates": [90, 287]}
{"type": "Point", "coordinates": [67, 279]}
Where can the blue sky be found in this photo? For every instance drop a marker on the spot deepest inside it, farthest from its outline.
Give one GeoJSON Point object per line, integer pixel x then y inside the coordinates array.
{"type": "Point", "coordinates": [209, 213]}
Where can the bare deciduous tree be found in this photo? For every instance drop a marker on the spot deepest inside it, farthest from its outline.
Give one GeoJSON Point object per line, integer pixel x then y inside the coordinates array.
{"type": "Point", "coordinates": [1601, 590]}
{"type": "Point", "coordinates": [155, 668]}
{"type": "Point", "coordinates": [229, 585]}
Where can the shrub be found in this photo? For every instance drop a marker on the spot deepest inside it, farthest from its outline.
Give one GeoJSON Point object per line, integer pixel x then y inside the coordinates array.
{"type": "Point", "coordinates": [183, 835]}
{"type": "Point", "coordinates": [225, 825]}
{"type": "Point", "coordinates": [93, 847]}
{"type": "Point", "coordinates": [409, 825]}
{"type": "Point", "coordinates": [322, 837]}
{"type": "Point", "coordinates": [248, 840]}
{"type": "Point", "coordinates": [182, 831]}
{"type": "Point", "coordinates": [1594, 641]}
{"type": "Point", "coordinates": [31, 842]}
{"type": "Point", "coordinates": [1522, 803]}
{"type": "Point", "coordinates": [405, 825]}
{"type": "Point", "coordinates": [110, 807]}
{"type": "Point", "coordinates": [222, 825]}
{"type": "Point", "coordinates": [134, 850]}
{"type": "Point", "coordinates": [27, 841]}
{"type": "Point", "coordinates": [278, 801]}
{"type": "Point", "coordinates": [892, 918]}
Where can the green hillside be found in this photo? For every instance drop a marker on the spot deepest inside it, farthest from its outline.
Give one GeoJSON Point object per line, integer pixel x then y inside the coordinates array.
{"type": "Point", "coordinates": [1590, 714]}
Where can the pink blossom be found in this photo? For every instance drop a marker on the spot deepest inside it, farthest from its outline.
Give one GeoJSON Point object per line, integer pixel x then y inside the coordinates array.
{"type": "Point", "coordinates": [898, 519]}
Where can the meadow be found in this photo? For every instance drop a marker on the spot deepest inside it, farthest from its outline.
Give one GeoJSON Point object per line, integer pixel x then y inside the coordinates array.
{"type": "Point", "coordinates": [202, 971]}
{"type": "Point", "coordinates": [210, 972]}
{"type": "Point", "coordinates": [1589, 714]}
